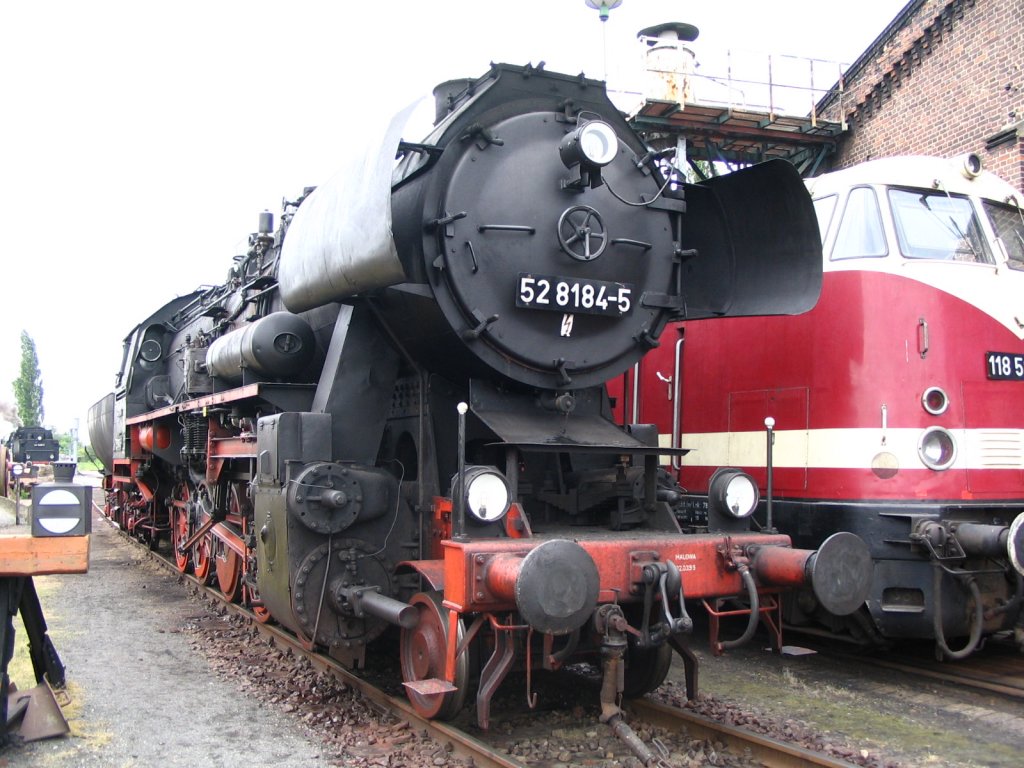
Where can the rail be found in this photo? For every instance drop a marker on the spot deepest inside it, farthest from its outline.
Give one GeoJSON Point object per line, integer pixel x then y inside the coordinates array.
{"type": "Point", "coordinates": [767, 752]}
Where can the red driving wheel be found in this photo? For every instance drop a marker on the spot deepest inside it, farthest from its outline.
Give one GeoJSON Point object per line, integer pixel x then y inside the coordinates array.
{"type": "Point", "coordinates": [422, 652]}
{"type": "Point", "coordinates": [180, 529]}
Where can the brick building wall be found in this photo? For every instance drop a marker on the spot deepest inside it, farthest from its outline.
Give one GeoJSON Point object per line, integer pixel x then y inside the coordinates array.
{"type": "Point", "coordinates": [945, 78]}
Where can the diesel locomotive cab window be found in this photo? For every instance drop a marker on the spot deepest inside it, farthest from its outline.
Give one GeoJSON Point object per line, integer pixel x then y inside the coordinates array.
{"type": "Point", "coordinates": [824, 208]}
{"type": "Point", "coordinates": [1008, 224]}
{"type": "Point", "coordinates": [860, 233]}
{"type": "Point", "coordinates": [937, 225]}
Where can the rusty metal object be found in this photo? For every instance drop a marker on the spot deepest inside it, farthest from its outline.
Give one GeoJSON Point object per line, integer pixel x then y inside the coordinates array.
{"type": "Point", "coordinates": [35, 714]}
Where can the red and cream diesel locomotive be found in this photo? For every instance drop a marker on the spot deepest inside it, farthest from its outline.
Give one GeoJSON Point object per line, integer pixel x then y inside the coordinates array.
{"type": "Point", "coordinates": [891, 410]}
{"type": "Point", "coordinates": [392, 415]}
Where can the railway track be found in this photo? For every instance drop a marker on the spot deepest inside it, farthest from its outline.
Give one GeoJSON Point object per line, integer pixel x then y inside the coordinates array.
{"type": "Point", "coordinates": [744, 747]}
{"type": "Point", "coordinates": [996, 668]}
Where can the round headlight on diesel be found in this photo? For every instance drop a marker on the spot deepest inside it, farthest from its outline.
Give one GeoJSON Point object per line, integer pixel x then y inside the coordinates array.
{"type": "Point", "coordinates": [734, 493]}
{"type": "Point", "coordinates": [935, 401]}
{"type": "Point", "coordinates": [937, 448]}
{"type": "Point", "coordinates": [487, 494]}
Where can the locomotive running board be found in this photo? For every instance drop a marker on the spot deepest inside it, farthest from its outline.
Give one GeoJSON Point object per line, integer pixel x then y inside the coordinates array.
{"type": "Point", "coordinates": [518, 420]}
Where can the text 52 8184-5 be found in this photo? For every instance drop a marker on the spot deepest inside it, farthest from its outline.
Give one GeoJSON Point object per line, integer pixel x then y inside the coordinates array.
{"type": "Point", "coordinates": [572, 294]}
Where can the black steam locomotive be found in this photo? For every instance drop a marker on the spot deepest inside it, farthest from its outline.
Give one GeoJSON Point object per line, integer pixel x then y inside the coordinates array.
{"type": "Point", "coordinates": [392, 413]}
{"type": "Point", "coordinates": [32, 448]}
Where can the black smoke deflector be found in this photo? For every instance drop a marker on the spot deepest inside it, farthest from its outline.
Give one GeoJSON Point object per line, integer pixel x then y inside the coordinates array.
{"type": "Point", "coordinates": [757, 241]}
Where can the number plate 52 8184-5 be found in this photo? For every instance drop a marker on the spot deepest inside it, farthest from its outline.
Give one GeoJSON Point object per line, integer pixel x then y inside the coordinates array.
{"type": "Point", "coordinates": [1004, 366]}
{"type": "Point", "coordinates": [573, 294]}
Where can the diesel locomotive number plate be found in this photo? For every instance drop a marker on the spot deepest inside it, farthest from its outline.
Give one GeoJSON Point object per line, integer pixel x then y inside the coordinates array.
{"type": "Point", "coordinates": [1004, 366]}
{"type": "Point", "coordinates": [573, 294]}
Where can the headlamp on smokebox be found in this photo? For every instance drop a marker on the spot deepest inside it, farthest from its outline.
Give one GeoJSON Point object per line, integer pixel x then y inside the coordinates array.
{"type": "Point", "coordinates": [590, 147]}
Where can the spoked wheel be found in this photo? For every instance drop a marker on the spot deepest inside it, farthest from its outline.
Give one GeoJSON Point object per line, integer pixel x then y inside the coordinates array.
{"type": "Point", "coordinates": [119, 509]}
{"type": "Point", "coordinates": [202, 550]}
{"type": "Point", "coordinates": [228, 562]}
{"type": "Point", "coordinates": [180, 528]}
{"type": "Point", "coordinates": [228, 571]}
{"type": "Point", "coordinates": [422, 652]}
{"type": "Point", "coordinates": [250, 594]}
{"type": "Point", "coordinates": [112, 509]}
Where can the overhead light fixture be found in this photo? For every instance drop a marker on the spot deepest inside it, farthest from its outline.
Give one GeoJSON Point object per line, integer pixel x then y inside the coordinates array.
{"type": "Point", "coordinates": [603, 7]}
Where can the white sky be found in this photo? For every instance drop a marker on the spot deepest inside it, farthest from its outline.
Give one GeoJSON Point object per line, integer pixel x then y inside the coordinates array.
{"type": "Point", "coordinates": [139, 140]}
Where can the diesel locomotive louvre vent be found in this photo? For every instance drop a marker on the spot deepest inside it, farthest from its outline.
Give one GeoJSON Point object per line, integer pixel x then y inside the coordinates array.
{"type": "Point", "coordinates": [392, 417]}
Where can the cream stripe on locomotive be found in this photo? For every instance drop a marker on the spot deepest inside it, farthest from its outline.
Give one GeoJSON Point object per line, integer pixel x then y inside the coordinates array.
{"type": "Point", "coordinates": [849, 448]}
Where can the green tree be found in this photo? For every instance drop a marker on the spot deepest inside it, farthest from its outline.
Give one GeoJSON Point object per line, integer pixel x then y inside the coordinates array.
{"type": "Point", "coordinates": [28, 387]}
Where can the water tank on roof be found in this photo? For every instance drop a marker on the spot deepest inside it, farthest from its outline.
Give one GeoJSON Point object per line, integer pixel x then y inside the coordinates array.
{"type": "Point", "coordinates": [669, 61]}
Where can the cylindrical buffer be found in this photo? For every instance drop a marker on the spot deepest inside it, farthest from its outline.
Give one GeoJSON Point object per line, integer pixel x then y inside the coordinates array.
{"type": "Point", "coordinates": [555, 587]}
{"type": "Point", "coordinates": [839, 572]}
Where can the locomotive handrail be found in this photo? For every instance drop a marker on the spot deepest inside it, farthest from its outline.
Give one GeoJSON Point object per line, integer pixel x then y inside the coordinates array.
{"type": "Point", "coordinates": [676, 412]}
{"type": "Point", "coordinates": [507, 228]}
{"type": "Point", "coordinates": [627, 241]}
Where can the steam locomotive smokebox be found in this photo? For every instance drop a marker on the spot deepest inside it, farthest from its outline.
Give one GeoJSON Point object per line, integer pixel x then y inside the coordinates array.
{"type": "Point", "coordinates": [61, 509]}
{"type": "Point", "coordinates": [64, 471]}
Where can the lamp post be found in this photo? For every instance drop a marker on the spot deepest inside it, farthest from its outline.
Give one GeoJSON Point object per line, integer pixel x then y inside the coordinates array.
{"type": "Point", "coordinates": [16, 470]}
{"type": "Point", "coordinates": [603, 8]}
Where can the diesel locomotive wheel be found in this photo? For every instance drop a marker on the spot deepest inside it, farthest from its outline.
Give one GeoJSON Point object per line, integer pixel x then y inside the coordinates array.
{"type": "Point", "coordinates": [180, 529]}
{"type": "Point", "coordinates": [422, 652]}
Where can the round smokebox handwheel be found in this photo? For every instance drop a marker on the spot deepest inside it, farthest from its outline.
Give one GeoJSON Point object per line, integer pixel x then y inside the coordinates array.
{"type": "Point", "coordinates": [581, 233]}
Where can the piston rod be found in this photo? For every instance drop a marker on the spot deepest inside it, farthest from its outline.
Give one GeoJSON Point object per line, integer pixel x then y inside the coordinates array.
{"type": "Point", "coordinates": [368, 600]}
